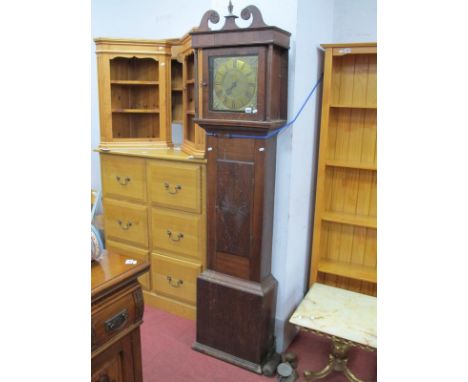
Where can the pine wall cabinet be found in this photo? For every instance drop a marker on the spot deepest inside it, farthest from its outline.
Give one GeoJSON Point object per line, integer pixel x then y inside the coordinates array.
{"type": "Point", "coordinates": [134, 87]}
{"type": "Point", "coordinates": [344, 242]}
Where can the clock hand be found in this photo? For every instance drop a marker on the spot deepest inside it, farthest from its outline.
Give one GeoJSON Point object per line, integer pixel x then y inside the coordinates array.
{"type": "Point", "coordinates": [229, 90]}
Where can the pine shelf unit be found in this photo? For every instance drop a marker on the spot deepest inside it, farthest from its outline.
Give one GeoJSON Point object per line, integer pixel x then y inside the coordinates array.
{"type": "Point", "coordinates": [184, 96]}
{"type": "Point", "coordinates": [344, 243]}
{"type": "Point", "coordinates": [134, 91]}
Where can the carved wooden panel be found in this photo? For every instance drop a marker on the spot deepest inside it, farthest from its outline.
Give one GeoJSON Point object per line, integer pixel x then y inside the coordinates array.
{"type": "Point", "coordinates": [235, 185]}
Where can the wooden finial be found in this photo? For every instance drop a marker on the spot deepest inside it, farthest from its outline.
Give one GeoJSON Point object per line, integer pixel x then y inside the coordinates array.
{"type": "Point", "coordinates": [230, 7]}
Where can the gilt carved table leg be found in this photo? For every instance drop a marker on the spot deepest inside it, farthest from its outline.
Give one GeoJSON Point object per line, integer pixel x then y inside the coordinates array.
{"type": "Point", "coordinates": [338, 360]}
{"type": "Point", "coordinates": [313, 375]}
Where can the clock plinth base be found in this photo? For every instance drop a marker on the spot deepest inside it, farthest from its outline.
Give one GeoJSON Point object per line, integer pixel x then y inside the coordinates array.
{"type": "Point", "coordinates": [254, 367]}
{"type": "Point", "coordinates": [235, 319]}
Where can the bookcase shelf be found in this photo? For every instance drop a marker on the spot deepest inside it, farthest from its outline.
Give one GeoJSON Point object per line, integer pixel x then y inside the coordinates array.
{"type": "Point", "coordinates": [134, 83]}
{"type": "Point", "coordinates": [354, 106]}
{"type": "Point", "coordinates": [343, 218]}
{"type": "Point", "coordinates": [136, 111]}
{"type": "Point", "coordinates": [353, 271]}
{"type": "Point", "coordinates": [352, 165]}
{"type": "Point", "coordinates": [344, 245]}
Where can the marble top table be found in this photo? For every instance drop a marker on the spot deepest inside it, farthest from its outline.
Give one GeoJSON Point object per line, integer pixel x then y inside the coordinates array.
{"type": "Point", "coordinates": [339, 313]}
{"type": "Point", "coordinates": [349, 318]}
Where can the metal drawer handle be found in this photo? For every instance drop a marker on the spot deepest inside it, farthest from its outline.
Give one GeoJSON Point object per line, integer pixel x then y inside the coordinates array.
{"type": "Point", "coordinates": [173, 283]}
{"type": "Point", "coordinates": [116, 322]}
{"type": "Point", "coordinates": [180, 235]}
{"type": "Point", "coordinates": [124, 182]}
{"type": "Point", "coordinates": [124, 226]}
{"type": "Point", "coordinates": [177, 188]}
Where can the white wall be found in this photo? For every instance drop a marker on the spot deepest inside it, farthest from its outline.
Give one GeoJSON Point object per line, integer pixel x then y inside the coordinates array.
{"type": "Point", "coordinates": [291, 250]}
{"type": "Point", "coordinates": [311, 23]}
{"type": "Point", "coordinates": [355, 21]}
{"type": "Point", "coordinates": [317, 22]}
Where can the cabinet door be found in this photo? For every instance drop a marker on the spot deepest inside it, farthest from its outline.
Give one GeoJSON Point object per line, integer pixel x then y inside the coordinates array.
{"type": "Point", "coordinates": [110, 371]}
{"type": "Point", "coordinates": [234, 187]}
{"type": "Point", "coordinates": [121, 362]}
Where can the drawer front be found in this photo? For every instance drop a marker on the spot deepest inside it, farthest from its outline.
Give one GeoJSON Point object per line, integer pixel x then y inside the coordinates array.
{"type": "Point", "coordinates": [175, 185]}
{"type": "Point", "coordinates": [175, 278]}
{"type": "Point", "coordinates": [176, 232]}
{"type": "Point", "coordinates": [141, 255]}
{"type": "Point", "coordinates": [116, 313]}
{"type": "Point", "coordinates": [126, 222]}
{"type": "Point", "coordinates": [123, 177]}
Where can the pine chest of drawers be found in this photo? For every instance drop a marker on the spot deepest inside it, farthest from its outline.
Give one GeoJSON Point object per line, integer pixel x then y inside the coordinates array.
{"type": "Point", "coordinates": [154, 210]}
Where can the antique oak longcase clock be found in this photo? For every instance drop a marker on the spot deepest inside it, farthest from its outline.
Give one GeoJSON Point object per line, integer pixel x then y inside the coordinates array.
{"type": "Point", "coordinates": [243, 89]}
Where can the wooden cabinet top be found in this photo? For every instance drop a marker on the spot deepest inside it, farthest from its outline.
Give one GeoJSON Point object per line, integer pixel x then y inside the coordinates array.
{"type": "Point", "coordinates": [349, 45]}
{"type": "Point", "coordinates": [164, 154]}
{"type": "Point", "coordinates": [112, 272]}
{"type": "Point", "coordinates": [134, 41]}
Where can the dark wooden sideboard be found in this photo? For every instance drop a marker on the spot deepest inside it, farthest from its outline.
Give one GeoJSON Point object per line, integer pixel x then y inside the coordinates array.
{"type": "Point", "coordinates": [116, 315]}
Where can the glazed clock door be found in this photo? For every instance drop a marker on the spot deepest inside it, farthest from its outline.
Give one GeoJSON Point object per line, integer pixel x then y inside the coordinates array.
{"type": "Point", "coordinates": [234, 84]}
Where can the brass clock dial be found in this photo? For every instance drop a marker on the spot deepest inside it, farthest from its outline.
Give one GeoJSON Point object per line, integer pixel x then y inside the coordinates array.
{"type": "Point", "coordinates": [234, 83]}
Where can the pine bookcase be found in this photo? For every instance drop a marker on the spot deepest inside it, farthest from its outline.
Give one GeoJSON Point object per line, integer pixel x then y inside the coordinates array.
{"type": "Point", "coordinates": [344, 243]}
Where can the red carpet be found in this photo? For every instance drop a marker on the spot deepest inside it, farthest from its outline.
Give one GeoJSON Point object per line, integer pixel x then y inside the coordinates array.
{"type": "Point", "coordinates": [166, 342]}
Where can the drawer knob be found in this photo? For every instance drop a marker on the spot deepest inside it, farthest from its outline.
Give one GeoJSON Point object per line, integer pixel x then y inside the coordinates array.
{"type": "Point", "coordinates": [116, 322]}
{"type": "Point", "coordinates": [124, 181]}
{"type": "Point", "coordinates": [174, 283]}
{"type": "Point", "coordinates": [177, 188]}
{"type": "Point", "coordinates": [179, 236]}
{"type": "Point", "coordinates": [124, 226]}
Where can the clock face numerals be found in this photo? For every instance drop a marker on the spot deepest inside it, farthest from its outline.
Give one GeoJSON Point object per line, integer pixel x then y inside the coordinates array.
{"type": "Point", "coordinates": [234, 83]}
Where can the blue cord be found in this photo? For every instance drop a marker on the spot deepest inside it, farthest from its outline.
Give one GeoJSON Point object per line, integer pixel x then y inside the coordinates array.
{"type": "Point", "coordinates": [277, 131]}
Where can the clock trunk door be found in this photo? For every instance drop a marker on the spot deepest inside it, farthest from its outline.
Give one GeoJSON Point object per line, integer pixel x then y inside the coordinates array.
{"type": "Point", "coordinates": [235, 205]}
{"type": "Point", "coordinates": [234, 84]}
